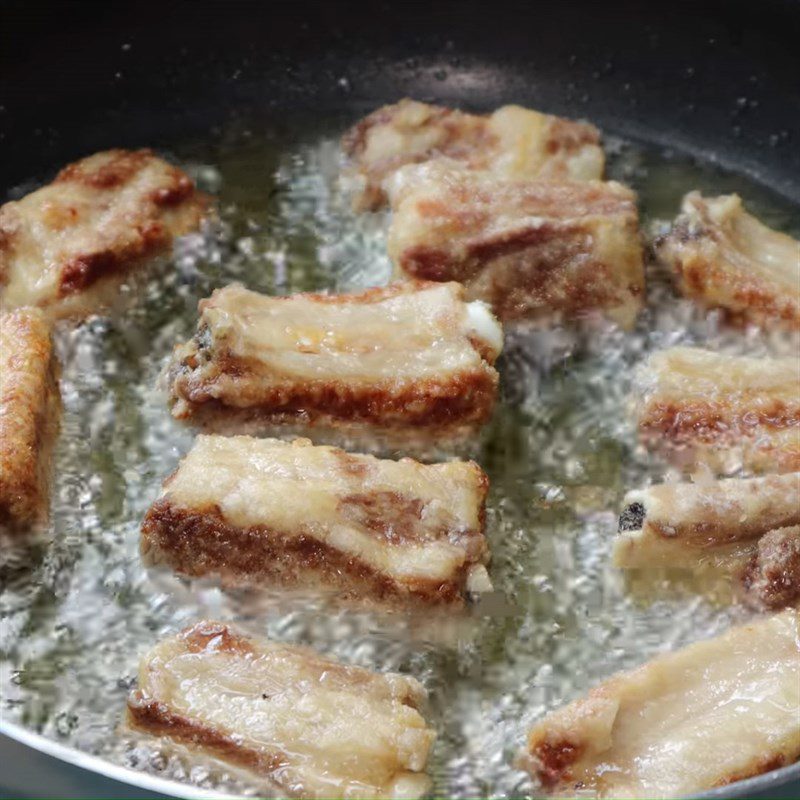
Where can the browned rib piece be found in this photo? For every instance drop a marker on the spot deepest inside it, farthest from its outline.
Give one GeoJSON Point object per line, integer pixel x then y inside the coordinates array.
{"type": "Point", "coordinates": [513, 142]}
{"type": "Point", "coordinates": [725, 411]}
{"type": "Point", "coordinates": [725, 258]}
{"type": "Point", "coordinates": [68, 246]}
{"type": "Point", "coordinates": [263, 511]}
{"type": "Point", "coordinates": [707, 715]}
{"type": "Point", "coordinates": [410, 354]}
{"type": "Point", "coordinates": [532, 250]}
{"type": "Point", "coordinates": [750, 528]}
{"type": "Point", "coordinates": [304, 725]}
{"type": "Point", "coordinates": [30, 407]}
{"type": "Point", "coordinates": [772, 578]}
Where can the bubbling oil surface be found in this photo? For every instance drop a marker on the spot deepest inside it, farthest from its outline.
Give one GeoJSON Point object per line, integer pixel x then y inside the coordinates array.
{"type": "Point", "coordinates": [78, 609]}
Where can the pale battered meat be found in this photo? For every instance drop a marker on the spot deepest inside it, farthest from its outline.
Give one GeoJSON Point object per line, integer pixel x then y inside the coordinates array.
{"type": "Point", "coordinates": [688, 524]}
{"type": "Point", "coordinates": [772, 578]}
{"type": "Point", "coordinates": [68, 246]}
{"type": "Point", "coordinates": [264, 511]}
{"type": "Point", "coordinates": [707, 715]}
{"type": "Point", "coordinates": [512, 142]}
{"type": "Point", "coordinates": [30, 408]}
{"type": "Point", "coordinates": [532, 250]}
{"type": "Point", "coordinates": [725, 258]}
{"type": "Point", "coordinates": [410, 354]}
{"type": "Point", "coordinates": [748, 528]}
{"type": "Point", "coordinates": [724, 411]}
{"type": "Point", "coordinates": [304, 725]}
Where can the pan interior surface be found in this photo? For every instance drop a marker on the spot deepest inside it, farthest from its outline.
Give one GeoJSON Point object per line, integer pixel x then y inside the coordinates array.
{"type": "Point", "coordinates": [77, 609]}
{"type": "Point", "coordinates": [560, 452]}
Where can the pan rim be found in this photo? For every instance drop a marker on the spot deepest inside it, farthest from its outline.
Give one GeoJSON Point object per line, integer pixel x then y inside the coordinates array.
{"type": "Point", "coordinates": [172, 788]}
{"type": "Point", "coordinates": [101, 766]}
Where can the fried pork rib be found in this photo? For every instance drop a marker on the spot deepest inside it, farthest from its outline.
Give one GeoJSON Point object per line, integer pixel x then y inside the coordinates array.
{"type": "Point", "coordinates": [772, 576]}
{"type": "Point", "coordinates": [710, 714]}
{"type": "Point", "coordinates": [748, 526]}
{"type": "Point", "coordinates": [725, 411]}
{"type": "Point", "coordinates": [68, 246]}
{"type": "Point", "coordinates": [531, 250]}
{"type": "Point", "coordinates": [512, 142]}
{"type": "Point", "coordinates": [725, 258]}
{"type": "Point", "coordinates": [309, 726]}
{"type": "Point", "coordinates": [264, 510]}
{"type": "Point", "coordinates": [30, 407]}
{"type": "Point", "coordinates": [405, 355]}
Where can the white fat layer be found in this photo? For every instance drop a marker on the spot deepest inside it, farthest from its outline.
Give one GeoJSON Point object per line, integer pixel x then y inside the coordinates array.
{"type": "Point", "coordinates": [483, 324]}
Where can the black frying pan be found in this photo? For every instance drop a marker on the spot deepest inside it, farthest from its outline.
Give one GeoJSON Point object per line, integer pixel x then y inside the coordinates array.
{"type": "Point", "coordinates": [717, 79]}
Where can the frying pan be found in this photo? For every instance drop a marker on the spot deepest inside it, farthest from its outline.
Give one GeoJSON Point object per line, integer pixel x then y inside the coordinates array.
{"type": "Point", "coordinates": [717, 80]}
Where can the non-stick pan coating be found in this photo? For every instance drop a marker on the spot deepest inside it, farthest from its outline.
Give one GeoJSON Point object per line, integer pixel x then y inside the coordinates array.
{"type": "Point", "coordinates": [717, 78]}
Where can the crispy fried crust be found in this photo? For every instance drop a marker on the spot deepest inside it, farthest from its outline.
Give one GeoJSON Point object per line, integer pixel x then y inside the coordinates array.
{"type": "Point", "coordinates": [30, 407]}
{"type": "Point", "coordinates": [725, 411]}
{"type": "Point", "coordinates": [68, 246]}
{"type": "Point", "coordinates": [710, 714]}
{"type": "Point", "coordinates": [772, 578]}
{"type": "Point", "coordinates": [310, 726]}
{"type": "Point", "coordinates": [512, 142]}
{"type": "Point", "coordinates": [530, 249]}
{"type": "Point", "coordinates": [365, 528]}
{"type": "Point", "coordinates": [725, 258]}
{"type": "Point", "coordinates": [372, 357]}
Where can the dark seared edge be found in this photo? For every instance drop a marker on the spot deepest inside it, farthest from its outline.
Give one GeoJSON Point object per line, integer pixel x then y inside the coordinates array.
{"type": "Point", "coordinates": [197, 543]}
{"type": "Point", "coordinates": [465, 398]}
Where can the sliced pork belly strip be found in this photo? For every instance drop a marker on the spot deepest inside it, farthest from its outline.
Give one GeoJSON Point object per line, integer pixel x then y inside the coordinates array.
{"type": "Point", "coordinates": [707, 715]}
{"type": "Point", "coordinates": [69, 245]}
{"type": "Point", "coordinates": [750, 528]}
{"type": "Point", "coordinates": [717, 409]}
{"type": "Point", "coordinates": [264, 511]}
{"type": "Point", "coordinates": [513, 142]}
{"type": "Point", "coordinates": [413, 354]}
{"type": "Point", "coordinates": [686, 524]}
{"type": "Point", "coordinates": [30, 409]}
{"type": "Point", "coordinates": [725, 258]}
{"type": "Point", "coordinates": [311, 727]}
{"type": "Point", "coordinates": [532, 250]}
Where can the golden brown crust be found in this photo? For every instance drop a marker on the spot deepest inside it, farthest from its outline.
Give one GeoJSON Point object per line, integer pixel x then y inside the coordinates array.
{"type": "Point", "coordinates": [311, 726]}
{"type": "Point", "coordinates": [213, 384]}
{"type": "Point", "coordinates": [772, 577]}
{"type": "Point", "coordinates": [100, 219]}
{"type": "Point", "coordinates": [441, 131]}
{"type": "Point", "coordinates": [529, 249]}
{"type": "Point", "coordinates": [704, 426]}
{"type": "Point", "coordinates": [705, 407]}
{"type": "Point", "coordinates": [29, 415]}
{"type": "Point", "coordinates": [725, 258]}
{"type": "Point", "coordinates": [389, 530]}
{"type": "Point", "coordinates": [463, 399]}
{"type": "Point", "coordinates": [514, 142]}
{"type": "Point", "coordinates": [159, 720]}
{"type": "Point", "coordinates": [703, 421]}
{"type": "Point", "coordinates": [199, 543]}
